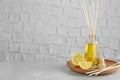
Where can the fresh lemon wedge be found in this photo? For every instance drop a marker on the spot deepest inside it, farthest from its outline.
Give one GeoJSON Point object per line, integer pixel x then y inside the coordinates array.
{"type": "Point", "coordinates": [76, 58]}
{"type": "Point", "coordinates": [85, 65]}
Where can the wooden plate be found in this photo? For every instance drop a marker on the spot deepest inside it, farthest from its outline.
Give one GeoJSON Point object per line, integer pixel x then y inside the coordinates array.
{"type": "Point", "coordinates": [79, 70]}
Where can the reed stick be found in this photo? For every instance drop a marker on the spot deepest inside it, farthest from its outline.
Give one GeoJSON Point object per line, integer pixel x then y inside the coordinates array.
{"type": "Point", "coordinates": [96, 16]}
{"type": "Point", "coordinates": [98, 71]}
{"type": "Point", "coordinates": [107, 69]}
{"type": "Point", "coordinates": [89, 12]}
{"type": "Point", "coordinates": [87, 19]}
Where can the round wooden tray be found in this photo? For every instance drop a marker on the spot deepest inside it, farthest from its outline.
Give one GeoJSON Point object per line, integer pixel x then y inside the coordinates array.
{"type": "Point", "coordinates": [79, 70]}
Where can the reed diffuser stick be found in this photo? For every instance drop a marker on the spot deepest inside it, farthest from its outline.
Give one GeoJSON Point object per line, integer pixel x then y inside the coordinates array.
{"type": "Point", "coordinates": [91, 17]}
{"type": "Point", "coordinates": [96, 16]}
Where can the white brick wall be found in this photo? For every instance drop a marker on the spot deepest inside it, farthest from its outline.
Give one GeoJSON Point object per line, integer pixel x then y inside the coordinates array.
{"type": "Point", "coordinates": [51, 30]}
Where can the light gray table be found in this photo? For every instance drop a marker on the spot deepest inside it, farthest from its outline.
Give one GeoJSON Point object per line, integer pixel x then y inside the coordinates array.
{"type": "Point", "coordinates": [45, 71]}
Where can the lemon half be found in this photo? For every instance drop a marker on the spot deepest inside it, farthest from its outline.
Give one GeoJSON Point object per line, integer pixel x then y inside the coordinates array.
{"type": "Point", "coordinates": [76, 58]}
{"type": "Point", "coordinates": [85, 65]}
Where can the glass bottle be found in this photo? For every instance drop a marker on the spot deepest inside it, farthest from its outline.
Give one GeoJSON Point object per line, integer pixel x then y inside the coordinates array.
{"type": "Point", "coordinates": [91, 50]}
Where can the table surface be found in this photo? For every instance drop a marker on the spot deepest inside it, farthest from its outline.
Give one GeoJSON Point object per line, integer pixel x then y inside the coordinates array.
{"type": "Point", "coordinates": [46, 71]}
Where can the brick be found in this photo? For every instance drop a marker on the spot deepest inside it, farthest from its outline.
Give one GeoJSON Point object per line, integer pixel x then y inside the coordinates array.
{"type": "Point", "coordinates": [65, 2]}
{"type": "Point", "coordinates": [82, 41]}
{"type": "Point", "coordinates": [102, 13]}
{"type": "Point", "coordinates": [51, 59]}
{"type": "Point", "coordinates": [101, 52]}
{"type": "Point", "coordinates": [7, 27]}
{"type": "Point", "coordinates": [98, 32]}
{"type": "Point", "coordinates": [77, 13]}
{"type": "Point", "coordinates": [35, 18]}
{"type": "Point", "coordinates": [73, 32]}
{"type": "Point", "coordinates": [48, 39]}
{"type": "Point", "coordinates": [117, 55]}
{"type": "Point", "coordinates": [14, 17]}
{"type": "Point", "coordinates": [49, 30]}
{"type": "Point", "coordinates": [81, 22]}
{"type": "Point", "coordinates": [17, 7]}
{"type": "Point", "coordinates": [56, 2]}
{"type": "Point", "coordinates": [44, 49]}
{"type": "Point", "coordinates": [84, 32]}
{"type": "Point", "coordinates": [58, 39]}
{"type": "Point", "coordinates": [71, 40]}
{"type": "Point", "coordinates": [3, 57]}
{"type": "Point", "coordinates": [64, 51]}
{"type": "Point", "coordinates": [29, 58]}
{"type": "Point", "coordinates": [18, 27]}
{"type": "Point", "coordinates": [4, 17]}
{"type": "Point", "coordinates": [117, 12]}
{"type": "Point", "coordinates": [25, 17]}
{"type": "Point", "coordinates": [62, 30]}
{"type": "Point", "coordinates": [30, 48]}
{"type": "Point", "coordinates": [101, 23]}
{"type": "Point", "coordinates": [109, 53]}
{"type": "Point", "coordinates": [115, 3]}
{"type": "Point", "coordinates": [111, 12]}
{"type": "Point", "coordinates": [75, 3]}
{"type": "Point", "coordinates": [25, 48]}
{"type": "Point", "coordinates": [106, 32]}
{"type": "Point", "coordinates": [27, 1]}
{"type": "Point", "coordinates": [14, 47]}
{"type": "Point", "coordinates": [45, 19]}
{"type": "Point", "coordinates": [72, 22]}
{"type": "Point", "coordinates": [28, 37]}
{"type": "Point", "coordinates": [114, 22]}
{"type": "Point", "coordinates": [39, 28]}
{"type": "Point", "coordinates": [18, 57]}
{"type": "Point", "coordinates": [104, 42]}
{"type": "Point", "coordinates": [105, 3]}
{"type": "Point", "coordinates": [68, 12]}
{"type": "Point", "coordinates": [39, 58]}
{"type": "Point", "coordinates": [62, 59]}
{"type": "Point", "coordinates": [75, 49]}
{"type": "Point", "coordinates": [54, 49]}
{"type": "Point", "coordinates": [57, 11]}
{"type": "Point", "coordinates": [29, 27]}
{"type": "Point", "coordinates": [7, 36]}
{"type": "Point", "coordinates": [62, 21]}
{"type": "Point", "coordinates": [1, 8]}
{"type": "Point", "coordinates": [34, 49]}
{"type": "Point", "coordinates": [8, 7]}
{"type": "Point", "coordinates": [17, 37]}
{"type": "Point", "coordinates": [27, 7]}
{"type": "Point", "coordinates": [42, 9]}
{"type": "Point", "coordinates": [37, 9]}
{"type": "Point", "coordinates": [53, 20]}
{"type": "Point", "coordinates": [115, 32]}
{"type": "Point", "coordinates": [38, 39]}
{"type": "Point", "coordinates": [10, 57]}
{"type": "Point", "coordinates": [114, 43]}
{"type": "Point", "coordinates": [44, 1]}
{"type": "Point", "coordinates": [4, 46]}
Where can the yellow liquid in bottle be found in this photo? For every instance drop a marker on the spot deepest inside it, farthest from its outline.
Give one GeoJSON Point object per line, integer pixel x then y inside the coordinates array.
{"type": "Point", "coordinates": [91, 53]}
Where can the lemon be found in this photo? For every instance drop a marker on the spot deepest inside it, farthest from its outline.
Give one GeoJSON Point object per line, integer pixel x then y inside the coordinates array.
{"type": "Point", "coordinates": [76, 58]}
{"type": "Point", "coordinates": [85, 65]}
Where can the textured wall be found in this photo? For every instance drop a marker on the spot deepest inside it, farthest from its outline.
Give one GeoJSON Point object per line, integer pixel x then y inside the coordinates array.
{"type": "Point", "coordinates": [50, 30]}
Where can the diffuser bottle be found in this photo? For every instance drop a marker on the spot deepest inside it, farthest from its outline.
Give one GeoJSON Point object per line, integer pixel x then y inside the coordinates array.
{"type": "Point", "coordinates": [91, 51]}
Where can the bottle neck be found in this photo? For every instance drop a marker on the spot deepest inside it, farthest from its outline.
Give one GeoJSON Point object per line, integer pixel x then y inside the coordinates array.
{"type": "Point", "coordinates": [92, 38]}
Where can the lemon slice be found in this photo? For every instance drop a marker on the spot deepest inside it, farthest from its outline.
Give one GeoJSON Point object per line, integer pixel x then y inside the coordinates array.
{"type": "Point", "coordinates": [85, 65]}
{"type": "Point", "coordinates": [76, 58]}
